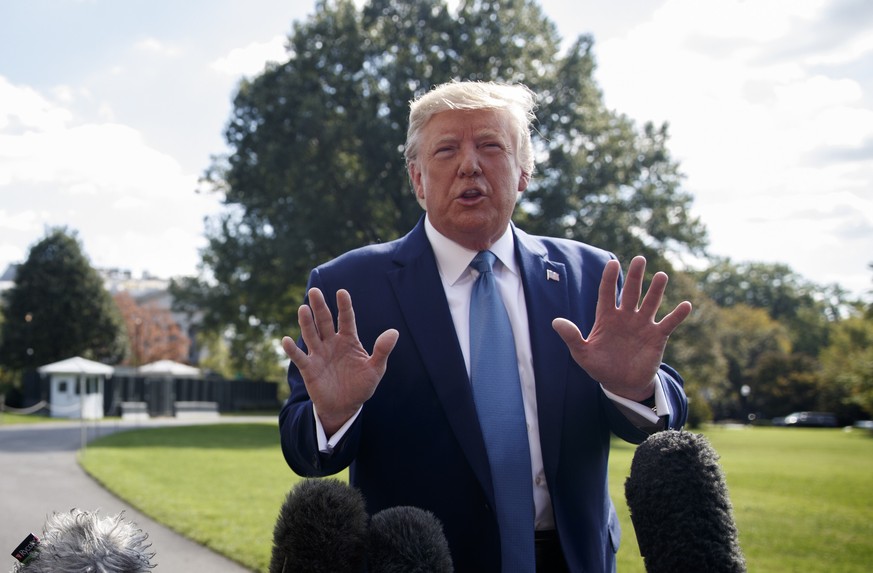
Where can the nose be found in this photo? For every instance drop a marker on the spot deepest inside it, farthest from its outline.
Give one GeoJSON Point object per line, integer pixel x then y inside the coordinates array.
{"type": "Point", "coordinates": [469, 166]}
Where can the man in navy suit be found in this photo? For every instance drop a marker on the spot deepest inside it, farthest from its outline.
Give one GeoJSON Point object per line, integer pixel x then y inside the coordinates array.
{"type": "Point", "coordinates": [384, 387]}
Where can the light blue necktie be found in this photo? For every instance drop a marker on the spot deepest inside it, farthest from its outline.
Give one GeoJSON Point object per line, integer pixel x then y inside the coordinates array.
{"type": "Point", "coordinates": [497, 393]}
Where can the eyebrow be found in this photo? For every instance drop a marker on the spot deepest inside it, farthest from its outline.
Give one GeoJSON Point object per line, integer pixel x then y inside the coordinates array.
{"type": "Point", "coordinates": [484, 133]}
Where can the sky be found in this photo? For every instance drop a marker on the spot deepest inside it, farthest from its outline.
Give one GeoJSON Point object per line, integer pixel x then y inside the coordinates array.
{"type": "Point", "coordinates": [110, 111]}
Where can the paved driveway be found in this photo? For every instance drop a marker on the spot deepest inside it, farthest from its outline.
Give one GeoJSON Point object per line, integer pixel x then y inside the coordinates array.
{"type": "Point", "coordinates": [39, 475]}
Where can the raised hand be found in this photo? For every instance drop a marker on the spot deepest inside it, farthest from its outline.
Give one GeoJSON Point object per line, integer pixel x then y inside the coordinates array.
{"type": "Point", "coordinates": [626, 344]}
{"type": "Point", "coordinates": [338, 372]}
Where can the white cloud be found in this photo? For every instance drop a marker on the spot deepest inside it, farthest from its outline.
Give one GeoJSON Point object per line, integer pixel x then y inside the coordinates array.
{"type": "Point", "coordinates": [155, 46]}
{"type": "Point", "coordinates": [132, 205]}
{"type": "Point", "coordinates": [251, 59]}
{"type": "Point", "coordinates": [24, 108]}
{"type": "Point", "coordinates": [28, 220]}
{"type": "Point", "coordinates": [763, 130]}
{"type": "Point", "coordinates": [94, 158]}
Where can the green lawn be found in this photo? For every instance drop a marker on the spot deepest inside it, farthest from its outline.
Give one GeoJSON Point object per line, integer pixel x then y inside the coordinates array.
{"type": "Point", "coordinates": [9, 419]}
{"type": "Point", "coordinates": [803, 499]}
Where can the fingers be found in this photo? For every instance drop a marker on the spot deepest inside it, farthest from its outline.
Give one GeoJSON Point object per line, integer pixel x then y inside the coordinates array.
{"type": "Point", "coordinates": [316, 318]}
{"type": "Point", "coordinates": [296, 355]}
{"type": "Point", "coordinates": [652, 301]}
{"type": "Point", "coordinates": [308, 329]}
{"type": "Point", "coordinates": [608, 285]}
{"type": "Point", "coordinates": [632, 291]}
{"type": "Point", "coordinates": [321, 313]}
{"type": "Point", "coordinates": [633, 285]}
{"type": "Point", "coordinates": [345, 312]}
{"type": "Point", "coordinates": [675, 317]}
{"type": "Point", "coordinates": [316, 327]}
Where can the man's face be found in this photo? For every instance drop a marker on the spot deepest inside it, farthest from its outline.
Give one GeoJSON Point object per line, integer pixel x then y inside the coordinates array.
{"type": "Point", "coordinates": [467, 175]}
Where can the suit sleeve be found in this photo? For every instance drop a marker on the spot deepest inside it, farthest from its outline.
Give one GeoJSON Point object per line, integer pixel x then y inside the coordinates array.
{"type": "Point", "coordinates": [672, 386]}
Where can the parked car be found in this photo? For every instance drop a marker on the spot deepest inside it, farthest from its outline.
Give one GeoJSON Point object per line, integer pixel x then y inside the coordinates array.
{"type": "Point", "coordinates": [808, 420]}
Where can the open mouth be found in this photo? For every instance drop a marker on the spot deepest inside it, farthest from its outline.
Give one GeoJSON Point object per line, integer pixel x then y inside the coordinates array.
{"type": "Point", "coordinates": [471, 194]}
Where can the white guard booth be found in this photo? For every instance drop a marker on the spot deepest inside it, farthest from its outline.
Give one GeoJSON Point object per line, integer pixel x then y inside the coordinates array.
{"type": "Point", "coordinates": [76, 387]}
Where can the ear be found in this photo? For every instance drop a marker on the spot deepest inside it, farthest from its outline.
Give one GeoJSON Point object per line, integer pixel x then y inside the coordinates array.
{"type": "Point", "coordinates": [523, 181]}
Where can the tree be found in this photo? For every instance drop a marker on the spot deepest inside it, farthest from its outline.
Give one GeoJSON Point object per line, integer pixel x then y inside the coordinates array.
{"type": "Point", "coordinates": [316, 165]}
{"type": "Point", "coordinates": [152, 332]}
{"type": "Point", "coordinates": [847, 367]}
{"type": "Point", "coordinates": [785, 383]}
{"type": "Point", "coordinates": [58, 308]}
{"type": "Point", "coordinates": [746, 334]}
{"type": "Point", "coordinates": [805, 309]}
{"type": "Point", "coordinates": [697, 350]}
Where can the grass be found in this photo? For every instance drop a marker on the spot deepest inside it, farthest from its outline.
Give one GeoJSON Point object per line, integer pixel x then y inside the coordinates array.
{"type": "Point", "coordinates": [220, 485]}
{"type": "Point", "coordinates": [803, 499]}
{"type": "Point", "coordinates": [9, 419]}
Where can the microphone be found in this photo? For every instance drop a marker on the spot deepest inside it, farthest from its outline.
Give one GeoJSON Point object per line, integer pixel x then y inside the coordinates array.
{"type": "Point", "coordinates": [321, 528]}
{"type": "Point", "coordinates": [83, 541]}
{"type": "Point", "coordinates": [407, 539]}
{"type": "Point", "coordinates": [680, 508]}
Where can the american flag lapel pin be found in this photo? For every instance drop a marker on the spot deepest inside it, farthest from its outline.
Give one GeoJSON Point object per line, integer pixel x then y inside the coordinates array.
{"type": "Point", "coordinates": [552, 275]}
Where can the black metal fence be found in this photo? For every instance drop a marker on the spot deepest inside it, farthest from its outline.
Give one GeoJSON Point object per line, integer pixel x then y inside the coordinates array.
{"type": "Point", "coordinates": [161, 393]}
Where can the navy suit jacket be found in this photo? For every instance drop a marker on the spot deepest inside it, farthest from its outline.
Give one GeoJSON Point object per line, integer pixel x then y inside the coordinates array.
{"type": "Point", "coordinates": [417, 440]}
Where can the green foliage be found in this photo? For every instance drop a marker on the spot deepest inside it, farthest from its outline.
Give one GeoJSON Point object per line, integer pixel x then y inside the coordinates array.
{"type": "Point", "coordinates": [786, 338]}
{"type": "Point", "coordinates": [316, 165]}
{"type": "Point", "coordinates": [695, 349]}
{"type": "Point", "coordinates": [745, 335]}
{"type": "Point", "coordinates": [847, 365]}
{"type": "Point", "coordinates": [783, 383]}
{"type": "Point", "coordinates": [58, 308]}
{"type": "Point", "coordinates": [804, 308]}
{"type": "Point", "coordinates": [249, 360]}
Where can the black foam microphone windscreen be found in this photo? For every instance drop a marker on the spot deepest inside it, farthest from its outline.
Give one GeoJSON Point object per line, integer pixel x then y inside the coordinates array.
{"type": "Point", "coordinates": [407, 540]}
{"type": "Point", "coordinates": [680, 507]}
{"type": "Point", "coordinates": [321, 528]}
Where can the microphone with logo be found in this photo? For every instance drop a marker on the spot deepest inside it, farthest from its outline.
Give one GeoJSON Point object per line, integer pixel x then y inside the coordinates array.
{"type": "Point", "coordinates": [680, 508]}
{"type": "Point", "coordinates": [85, 541]}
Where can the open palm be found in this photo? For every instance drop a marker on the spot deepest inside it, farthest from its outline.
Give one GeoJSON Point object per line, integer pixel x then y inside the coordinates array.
{"type": "Point", "coordinates": [339, 374]}
{"type": "Point", "coordinates": [626, 345]}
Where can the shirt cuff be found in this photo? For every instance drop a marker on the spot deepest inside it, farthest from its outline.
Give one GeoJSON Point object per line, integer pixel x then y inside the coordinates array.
{"type": "Point", "coordinates": [637, 410]}
{"type": "Point", "coordinates": [325, 445]}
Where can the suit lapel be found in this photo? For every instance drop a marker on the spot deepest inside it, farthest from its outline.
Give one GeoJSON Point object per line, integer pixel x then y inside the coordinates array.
{"type": "Point", "coordinates": [546, 293]}
{"type": "Point", "coordinates": [418, 288]}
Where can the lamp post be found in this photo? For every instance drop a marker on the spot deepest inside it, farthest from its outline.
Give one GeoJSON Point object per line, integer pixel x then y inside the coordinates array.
{"type": "Point", "coordinates": [137, 343]}
{"type": "Point", "coordinates": [745, 392]}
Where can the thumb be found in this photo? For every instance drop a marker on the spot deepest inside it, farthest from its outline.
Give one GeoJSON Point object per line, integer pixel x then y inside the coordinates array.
{"type": "Point", "coordinates": [383, 347]}
{"type": "Point", "coordinates": [569, 333]}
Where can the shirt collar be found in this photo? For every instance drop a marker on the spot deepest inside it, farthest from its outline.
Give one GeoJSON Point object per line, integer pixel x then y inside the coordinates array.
{"type": "Point", "coordinates": [453, 260]}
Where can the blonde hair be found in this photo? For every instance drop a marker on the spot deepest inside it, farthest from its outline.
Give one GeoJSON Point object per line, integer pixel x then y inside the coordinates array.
{"type": "Point", "coordinates": [518, 100]}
